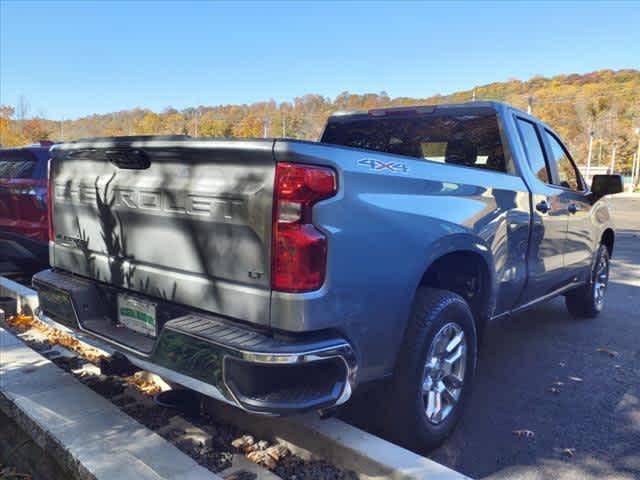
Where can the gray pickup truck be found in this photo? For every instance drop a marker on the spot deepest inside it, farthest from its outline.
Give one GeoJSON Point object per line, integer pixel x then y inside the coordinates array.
{"type": "Point", "coordinates": [280, 275]}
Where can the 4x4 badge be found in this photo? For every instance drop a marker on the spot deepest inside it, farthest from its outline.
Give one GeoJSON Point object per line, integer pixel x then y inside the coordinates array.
{"type": "Point", "coordinates": [379, 165]}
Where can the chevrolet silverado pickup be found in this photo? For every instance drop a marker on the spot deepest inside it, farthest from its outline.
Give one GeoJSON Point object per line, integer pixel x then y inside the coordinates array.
{"type": "Point", "coordinates": [280, 275]}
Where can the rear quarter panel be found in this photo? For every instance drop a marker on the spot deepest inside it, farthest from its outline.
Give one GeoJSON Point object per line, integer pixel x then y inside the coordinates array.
{"type": "Point", "coordinates": [385, 228]}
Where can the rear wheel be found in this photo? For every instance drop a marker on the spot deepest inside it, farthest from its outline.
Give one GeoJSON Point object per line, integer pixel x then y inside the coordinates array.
{"type": "Point", "coordinates": [588, 301]}
{"type": "Point", "coordinates": [434, 370]}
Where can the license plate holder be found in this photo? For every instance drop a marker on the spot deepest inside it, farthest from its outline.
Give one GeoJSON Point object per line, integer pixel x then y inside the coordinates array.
{"type": "Point", "coordinates": [137, 314]}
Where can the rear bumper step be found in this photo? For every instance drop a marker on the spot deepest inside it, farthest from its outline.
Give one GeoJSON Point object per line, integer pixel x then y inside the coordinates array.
{"type": "Point", "coordinates": [210, 354]}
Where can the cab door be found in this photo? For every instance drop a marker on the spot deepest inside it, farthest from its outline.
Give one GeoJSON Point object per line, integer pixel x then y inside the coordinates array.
{"type": "Point", "coordinates": [580, 239]}
{"type": "Point", "coordinates": [545, 258]}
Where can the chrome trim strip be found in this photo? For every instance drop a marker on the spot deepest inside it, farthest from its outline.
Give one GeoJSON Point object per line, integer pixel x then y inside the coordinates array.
{"type": "Point", "coordinates": [548, 296]}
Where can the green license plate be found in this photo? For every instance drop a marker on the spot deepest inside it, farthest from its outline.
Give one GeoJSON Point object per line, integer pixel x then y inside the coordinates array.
{"type": "Point", "coordinates": [137, 314]}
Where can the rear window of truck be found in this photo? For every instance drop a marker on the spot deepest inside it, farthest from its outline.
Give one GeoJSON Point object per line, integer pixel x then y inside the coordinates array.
{"type": "Point", "coordinates": [470, 140]}
{"type": "Point", "coordinates": [23, 164]}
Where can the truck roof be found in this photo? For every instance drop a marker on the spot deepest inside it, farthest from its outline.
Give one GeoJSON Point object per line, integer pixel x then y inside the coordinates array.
{"type": "Point", "coordinates": [417, 109]}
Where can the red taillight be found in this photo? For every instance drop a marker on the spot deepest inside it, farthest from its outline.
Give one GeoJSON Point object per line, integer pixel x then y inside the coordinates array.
{"type": "Point", "coordinates": [50, 200]}
{"type": "Point", "coordinates": [299, 253]}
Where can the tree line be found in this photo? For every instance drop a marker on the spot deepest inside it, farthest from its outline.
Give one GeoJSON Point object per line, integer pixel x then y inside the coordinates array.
{"type": "Point", "coordinates": [604, 103]}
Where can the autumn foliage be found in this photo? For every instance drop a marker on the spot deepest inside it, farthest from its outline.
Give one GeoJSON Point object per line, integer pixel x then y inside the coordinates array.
{"type": "Point", "coordinates": [604, 102]}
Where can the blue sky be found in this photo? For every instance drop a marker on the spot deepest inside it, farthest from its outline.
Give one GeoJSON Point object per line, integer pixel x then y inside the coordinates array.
{"type": "Point", "coordinates": [75, 58]}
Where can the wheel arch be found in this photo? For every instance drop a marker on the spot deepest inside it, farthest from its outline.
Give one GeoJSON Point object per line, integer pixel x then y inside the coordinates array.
{"type": "Point", "coordinates": [456, 260]}
{"type": "Point", "coordinates": [608, 240]}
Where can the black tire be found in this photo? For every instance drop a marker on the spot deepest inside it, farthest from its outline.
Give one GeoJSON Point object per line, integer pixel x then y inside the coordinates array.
{"type": "Point", "coordinates": [582, 302]}
{"type": "Point", "coordinates": [408, 422]}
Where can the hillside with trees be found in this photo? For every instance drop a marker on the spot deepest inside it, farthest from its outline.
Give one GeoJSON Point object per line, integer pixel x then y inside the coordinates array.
{"type": "Point", "coordinates": [605, 102]}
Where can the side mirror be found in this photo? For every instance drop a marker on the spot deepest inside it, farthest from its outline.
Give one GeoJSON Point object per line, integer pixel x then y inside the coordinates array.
{"type": "Point", "coordinates": [602, 185]}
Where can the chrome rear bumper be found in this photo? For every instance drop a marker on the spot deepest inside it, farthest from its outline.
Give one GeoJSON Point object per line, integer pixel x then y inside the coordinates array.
{"type": "Point", "coordinates": [251, 369]}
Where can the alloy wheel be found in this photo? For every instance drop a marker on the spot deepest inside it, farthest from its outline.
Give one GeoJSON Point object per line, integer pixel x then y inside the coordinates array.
{"type": "Point", "coordinates": [444, 371]}
{"type": "Point", "coordinates": [600, 281]}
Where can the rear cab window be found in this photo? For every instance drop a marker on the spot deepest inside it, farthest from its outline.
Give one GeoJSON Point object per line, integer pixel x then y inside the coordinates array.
{"type": "Point", "coordinates": [470, 138]}
{"type": "Point", "coordinates": [23, 164]}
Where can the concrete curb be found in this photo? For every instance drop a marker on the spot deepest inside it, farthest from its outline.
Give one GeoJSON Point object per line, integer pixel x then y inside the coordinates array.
{"type": "Point", "coordinates": [347, 447]}
{"type": "Point", "coordinates": [89, 436]}
{"type": "Point", "coordinates": [27, 298]}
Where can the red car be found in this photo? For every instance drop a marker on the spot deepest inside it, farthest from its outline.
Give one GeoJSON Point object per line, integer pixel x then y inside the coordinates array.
{"type": "Point", "coordinates": [24, 232]}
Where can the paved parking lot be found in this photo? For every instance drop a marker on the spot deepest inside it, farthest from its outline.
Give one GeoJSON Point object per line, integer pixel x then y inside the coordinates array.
{"type": "Point", "coordinates": [596, 411]}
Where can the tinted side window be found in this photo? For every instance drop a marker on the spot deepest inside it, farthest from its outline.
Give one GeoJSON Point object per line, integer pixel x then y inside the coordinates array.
{"type": "Point", "coordinates": [533, 147]}
{"type": "Point", "coordinates": [567, 175]}
{"type": "Point", "coordinates": [16, 164]}
{"type": "Point", "coordinates": [470, 140]}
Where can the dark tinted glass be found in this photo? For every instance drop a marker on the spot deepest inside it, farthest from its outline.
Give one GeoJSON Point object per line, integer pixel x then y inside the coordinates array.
{"type": "Point", "coordinates": [468, 140]}
{"type": "Point", "coordinates": [567, 175]}
{"type": "Point", "coordinates": [533, 147]}
{"type": "Point", "coordinates": [17, 164]}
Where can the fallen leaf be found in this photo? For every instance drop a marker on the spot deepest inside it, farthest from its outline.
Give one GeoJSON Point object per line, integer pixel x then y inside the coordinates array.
{"type": "Point", "coordinates": [569, 452]}
{"type": "Point", "coordinates": [277, 452]}
{"type": "Point", "coordinates": [576, 379]}
{"type": "Point", "coordinates": [262, 458]}
{"type": "Point", "coordinates": [242, 442]}
{"type": "Point", "coordinates": [249, 448]}
{"type": "Point", "coordinates": [143, 383]}
{"type": "Point", "coordinates": [56, 337]}
{"type": "Point", "coordinates": [562, 364]}
{"type": "Point", "coordinates": [269, 456]}
{"type": "Point", "coordinates": [20, 320]}
{"type": "Point", "coordinates": [523, 433]}
{"type": "Point", "coordinates": [611, 353]}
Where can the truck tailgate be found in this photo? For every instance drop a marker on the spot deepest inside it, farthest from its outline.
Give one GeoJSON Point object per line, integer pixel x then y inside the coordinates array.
{"type": "Point", "coordinates": [190, 223]}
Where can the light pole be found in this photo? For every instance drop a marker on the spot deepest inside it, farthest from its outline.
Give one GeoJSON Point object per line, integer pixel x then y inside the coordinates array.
{"type": "Point", "coordinates": [635, 171]}
{"type": "Point", "coordinates": [195, 127]}
{"type": "Point", "coordinates": [589, 155]}
{"type": "Point", "coordinates": [613, 159]}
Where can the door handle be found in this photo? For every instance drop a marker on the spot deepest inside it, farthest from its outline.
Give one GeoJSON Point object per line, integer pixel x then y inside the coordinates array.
{"type": "Point", "coordinates": [573, 208]}
{"type": "Point", "coordinates": [543, 206]}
